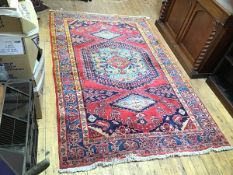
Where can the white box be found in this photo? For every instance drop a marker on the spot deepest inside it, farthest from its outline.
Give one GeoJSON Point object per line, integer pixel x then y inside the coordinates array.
{"type": "Point", "coordinates": [38, 96]}
{"type": "Point", "coordinates": [19, 18]}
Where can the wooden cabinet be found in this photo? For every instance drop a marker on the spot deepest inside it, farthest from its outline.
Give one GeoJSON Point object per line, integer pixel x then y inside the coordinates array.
{"type": "Point", "coordinates": [176, 20]}
{"type": "Point", "coordinates": [197, 31]}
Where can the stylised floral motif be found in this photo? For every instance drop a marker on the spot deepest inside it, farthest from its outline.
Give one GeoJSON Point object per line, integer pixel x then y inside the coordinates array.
{"type": "Point", "coordinates": [106, 126]}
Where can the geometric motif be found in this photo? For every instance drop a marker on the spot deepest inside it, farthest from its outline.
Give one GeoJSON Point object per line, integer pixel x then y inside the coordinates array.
{"type": "Point", "coordinates": [134, 102]}
{"type": "Point", "coordinates": [106, 34]}
{"type": "Point", "coordinates": [77, 39]}
{"type": "Point", "coordinates": [93, 95]}
{"type": "Point", "coordinates": [137, 39]}
{"type": "Point", "coordinates": [78, 24]}
{"type": "Point", "coordinates": [163, 91]}
{"type": "Point", "coordinates": [123, 26]}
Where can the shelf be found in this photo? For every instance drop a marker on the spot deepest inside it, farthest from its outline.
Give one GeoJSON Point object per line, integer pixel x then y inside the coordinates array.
{"type": "Point", "coordinates": [223, 90]}
{"type": "Point", "coordinates": [18, 127]}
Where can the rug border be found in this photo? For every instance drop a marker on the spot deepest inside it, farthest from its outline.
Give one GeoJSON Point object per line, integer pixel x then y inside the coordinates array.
{"type": "Point", "coordinates": [51, 29]}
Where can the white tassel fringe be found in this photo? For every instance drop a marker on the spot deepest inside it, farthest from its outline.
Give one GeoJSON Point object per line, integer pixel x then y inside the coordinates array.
{"type": "Point", "coordinates": [101, 14]}
{"type": "Point", "coordinates": [135, 158]}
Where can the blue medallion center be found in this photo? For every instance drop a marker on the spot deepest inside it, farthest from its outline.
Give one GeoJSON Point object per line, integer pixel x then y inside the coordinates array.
{"type": "Point", "coordinates": [118, 64]}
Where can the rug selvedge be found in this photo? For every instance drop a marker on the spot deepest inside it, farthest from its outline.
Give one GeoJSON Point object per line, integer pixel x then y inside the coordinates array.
{"type": "Point", "coordinates": [88, 135]}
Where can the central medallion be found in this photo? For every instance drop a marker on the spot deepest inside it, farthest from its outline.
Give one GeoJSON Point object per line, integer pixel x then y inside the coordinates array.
{"type": "Point", "coordinates": [118, 62]}
{"type": "Point", "coordinates": [119, 65]}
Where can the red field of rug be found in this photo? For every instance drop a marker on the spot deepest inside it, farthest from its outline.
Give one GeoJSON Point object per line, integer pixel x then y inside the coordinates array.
{"type": "Point", "coordinates": [119, 96]}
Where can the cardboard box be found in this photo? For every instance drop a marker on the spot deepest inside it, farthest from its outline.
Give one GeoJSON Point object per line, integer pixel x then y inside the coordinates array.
{"type": "Point", "coordinates": [18, 38]}
{"type": "Point", "coordinates": [40, 85]}
{"type": "Point", "coordinates": [19, 55]}
{"type": "Point", "coordinates": [38, 101]}
{"type": "Point", "coordinates": [38, 96]}
{"type": "Point", "coordinates": [18, 18]}
{"type": "Point", "coordinates": [10, 25]}
{"type": "Point", "coordinates": [12, 4]}
{"type": "Point", "coordinates": [39, 69]}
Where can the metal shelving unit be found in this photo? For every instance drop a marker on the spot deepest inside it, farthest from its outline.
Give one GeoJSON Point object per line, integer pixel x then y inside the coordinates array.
{"type": "Point", "coordinates": [18, 129]}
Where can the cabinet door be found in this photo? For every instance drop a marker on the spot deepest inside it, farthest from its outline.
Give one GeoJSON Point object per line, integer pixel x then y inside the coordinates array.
{"type": "Point", "coordinates": [179, 11]}
{"type": "Point", "coordinates": [198, 35]}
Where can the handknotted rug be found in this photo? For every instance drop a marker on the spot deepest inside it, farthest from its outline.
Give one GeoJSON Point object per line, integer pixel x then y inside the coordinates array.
{"type": "Point", "coordinates": [120, 97]}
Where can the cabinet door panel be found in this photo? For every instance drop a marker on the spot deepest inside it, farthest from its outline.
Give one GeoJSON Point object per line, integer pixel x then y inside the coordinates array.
{"type": "Point", "coordinates": [197, 33]}
{"type": "Point", "coordinates": [178, 14]}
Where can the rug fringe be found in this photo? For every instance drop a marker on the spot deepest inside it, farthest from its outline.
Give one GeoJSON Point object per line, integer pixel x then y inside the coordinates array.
{"type": "Point", "coordinates": [102, 14]}
{"type": "Point", "coordinates": [135, 158]}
